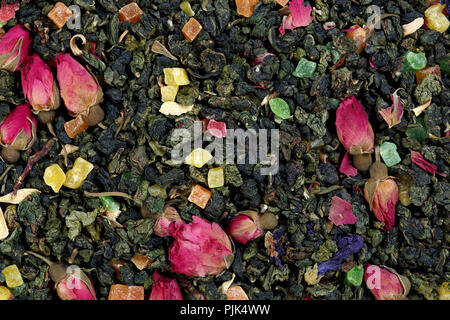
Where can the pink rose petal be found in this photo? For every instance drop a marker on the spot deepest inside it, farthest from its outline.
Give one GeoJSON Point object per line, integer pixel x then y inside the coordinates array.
{"type": "Point", "coordinates": [417, 159]}
{"type": "Point", "coordinates": [165, 288]}
{"type": "Point", "coordinates": [217, 128]}
{"type": "Point", "coordinates": [393, 115]}
{"type": "Point", "coordinates": [8, 11]}
{"type": "Point", "coordinates": [346, 167]}
{"type": "Point", "coordinates": [341, 212]}
{"type": "Point", "coordinates": [300, 16]}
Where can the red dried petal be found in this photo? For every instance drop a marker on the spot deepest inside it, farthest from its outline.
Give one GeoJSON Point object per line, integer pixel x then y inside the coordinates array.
{"type": "Point", "coordinates": [300, 16]}
{"type": "Point", "coordinates": [417, 159]}
{"type": "Point", "coordinates": [341, 212]}
{"type": "Point", "coordinates": [353, 127]}
{"type": "Point", "coordinates": [346, 167]}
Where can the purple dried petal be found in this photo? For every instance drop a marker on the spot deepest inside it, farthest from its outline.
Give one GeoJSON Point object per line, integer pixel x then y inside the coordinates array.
{"type": "Point", "coordinates": [346, 247]}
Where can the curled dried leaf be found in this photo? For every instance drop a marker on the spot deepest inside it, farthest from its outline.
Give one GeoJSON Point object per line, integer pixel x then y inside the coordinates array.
{"type": "Point", "coordinates": [158, 47]}
{"type": "Point", "coordinates": [4, 232]}
{"type": "Point", "coordinates": [417, 111]}
{"type": "Point", "coordinates": [413, 26]}
{"type": "Point", "coordinates": [18, 197]}
{"type": "Point", "coordinates": [73, 45]}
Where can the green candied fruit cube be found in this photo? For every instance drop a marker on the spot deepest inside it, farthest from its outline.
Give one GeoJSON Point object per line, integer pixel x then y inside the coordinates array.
{"type": "Point", "coordinates": [388, 152]}
{"type": "Point", "coordinates": [415, 61]}
{"type": "Point", "coordinates": [305, 68]}
{"type": "Point", "coordinates": [355, 276]}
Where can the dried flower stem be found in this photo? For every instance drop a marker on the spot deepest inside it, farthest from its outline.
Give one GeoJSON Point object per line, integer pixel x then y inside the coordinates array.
{"type": "Point", "coordinates": [38, 256]}
{"type": "Point", "coordinates": [377, 154]}
{"type": "Point", "coordinates": [108, 194]}
{"type": "Point", "coordinates": [31, 161]}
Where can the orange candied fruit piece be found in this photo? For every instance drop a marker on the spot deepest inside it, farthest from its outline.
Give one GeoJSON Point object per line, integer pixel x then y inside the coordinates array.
{"type": "Point", "coordinates": [76, 126]}
{"type": "Point", "coordinates": [282, 2]}
{"type": "Point", "coordinates": [191, 29]}
{"type": "Point", "coordinates": [60, 14]}
{"type": "Point", "coordinates": [200, 196]}
{"type": "Point", "coordinates": [245, 7]}
{"type": "Point", "coordinates": [131, 12]}
{"type": "Point", "coordinates": [140, 261]}
{"type": "Point", "coordinates": [124, 292]}
{"type": "Point", "coordinates": [421, 74]}
{"type": "Point", "coordinates": [360, 35]}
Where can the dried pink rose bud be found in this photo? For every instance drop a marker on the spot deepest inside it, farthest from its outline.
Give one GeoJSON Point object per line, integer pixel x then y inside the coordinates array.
{"type": "Point", "coordinates": [17, 132]}
{"type": "Point", "coordinates": [355, 132]}
{"type": "Point", "coordinates": [385, 283]}
{"type": "Point", "coordinates": [249, 225]}
{"type": "Point", "coordinates": [165, 288]}
{"type": "Point", "coordinates": [71, 282]}
{"type": "Point", "coordinates": [200, 249]}
{"type": "Point", "coordinates": [168, 222]}
{"type": "Point", "coordinates": [39, 85]}
{"type": "Point", "coordinates": [381, 192]}
{"type": "Point", "coordinates": [79, 89]}
{"type": "Point", "coordinates": [14, 48]}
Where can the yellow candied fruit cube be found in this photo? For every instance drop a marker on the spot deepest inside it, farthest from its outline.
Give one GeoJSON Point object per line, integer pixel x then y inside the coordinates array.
{"type": "Point", "coordinates": [5, 294]}
{"type": "Point", "coordinates": [169, 93]}
{"type": "Point", "coordinates": [436, 20]}
{"type": "Point", "coordinates": [12, 276]}
{"type": "Point", "coordinates": [215, 178]}
{"type": "Point", "coordinates": [444, 291]}
{"type": "Point", "coordinates": [79, 172]}
{"type": "Point", "coordinates": [176, 77]}
{"type": "Point", "coordinates": [54, 177]}
{"type": "Point", "coordinates": [198, 157]}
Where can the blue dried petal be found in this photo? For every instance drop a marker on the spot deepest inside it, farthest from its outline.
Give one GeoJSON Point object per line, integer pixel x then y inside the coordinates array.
{"type": "Point", "coordinates": [346, 247]}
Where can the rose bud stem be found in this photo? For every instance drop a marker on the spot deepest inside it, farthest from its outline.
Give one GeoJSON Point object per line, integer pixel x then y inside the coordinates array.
{"type": "Point", "coordinates": [57, 270]}
{"type": "Point", "coordinates": [95, 115]}
{"type": "Point", "coordinates": [10, 155]}
{"type": "Point", "coordinates": [378, 170]}
{"type": "Point", "coordinates": [46, 116]}
{"type": "Point", "coordinates": [362, 161]}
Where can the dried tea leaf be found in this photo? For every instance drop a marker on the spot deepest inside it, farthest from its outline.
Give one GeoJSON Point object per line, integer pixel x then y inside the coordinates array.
{"type": "Point", "coordinates": [19, 197]}
{"type": "Point", "coordinates": [4, 232]}
{"type": "Point", "coordinates": [174, 109]}
{"type": "Point", "coordinates": [158, 47]}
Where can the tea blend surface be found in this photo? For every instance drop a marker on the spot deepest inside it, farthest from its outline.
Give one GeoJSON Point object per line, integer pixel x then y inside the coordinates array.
{"type": "Point", "coordinates": [338, 188]}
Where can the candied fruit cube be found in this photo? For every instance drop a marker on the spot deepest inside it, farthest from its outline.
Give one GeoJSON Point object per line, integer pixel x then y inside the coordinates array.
{"type": "Point", "coordinates": [198, 157]}
{"type": "Point", "coordinates": [246, 7]}
{"type": "Point", "coordinates": [176, 77]}
{"type": "Point", "coordinates": [444, 291]}
{"type": "Point", "coordinates": [215, 178]}
{"type": "Point", "coordinates": [436, 20]}
{"type": "Point", "coordinates": [217, 128]}
{"type": "Point", "coordinates": [191, 29]}
{"type": "Point", "coordinates": [76, 126]}
{"type": "Point", "coordinates": [169, 93]}
{"type": "Point", "coordinates": [54, 177]}
{"type": "Point", "coordinates": [12, 276]}
{"type": "Point", "coordinates": [131, 13]}
{"type": "Point", "coordinates": [60, 14]}
{"type": "Point", "coordinates": [5, 294]}
{"type": "Point", "coordinates": [79, 172]}
{"type": "Point", "coordinates": [124, 292]}
{"type": "Point", "coordinates": [421, 74]}
{"type": "Point", "coordinates": [141, 262]}
{"type": "Point", "coordinates": [200, 196]}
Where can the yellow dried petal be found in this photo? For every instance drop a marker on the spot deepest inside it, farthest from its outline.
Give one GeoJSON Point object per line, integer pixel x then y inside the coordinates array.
{"type": "Point", "coordinates": [216, 178]}
{"type": "Point", "coordinates": [54, 177]}
{"type": "Point", "coordinates": [198, 157]}
{"type": "Point", "coordinates": [12, 276]}
{"type": "Point", "coordinates": [79, 172]}
{"type": "Point", "coordinates": [176, 77]}
{"type": "Point", "coordinates": [169, 93]}
{"type": "Point", "coordinates": [174, 109]}
{"type": "Point", "coordinates": [18, 197]}
{"type": "Point", "coordinates": [4, 232]}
